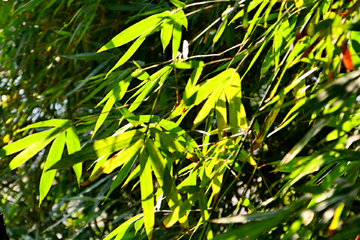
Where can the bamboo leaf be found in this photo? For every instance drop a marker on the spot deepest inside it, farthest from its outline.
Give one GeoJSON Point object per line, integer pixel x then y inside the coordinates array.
{"type": "Point", "coordinates": [178, 3]}
{"type": "Point", "coordinates": [151, 84]}
{"type": "Point", "coordinates": [135, 31]}
{"type": "Point", "coordinates": [99, 148]}
{"type": "Point", "coordinates": [166, 33]}
{"type": "Point", "coordinates": [128, 53]}
{"type": "Point", "coordinates": [209, 105]}
{"type": "Point", "coordinates": [31, 150]}
{"type": "Point", "coordinates": [60, 123]}
{"type": "Point", "coordinates": [119, 159]}
{"type": "Point", "coordinates": [124, 171]}
{"type": "Point", "coordinates": [301, 144]}
{"type": "Point", "coordinates": [165, 181]}
{"type": "Point", "coordinates": [209, 86]}
{"type": "Point", "coordinates": [237, 114]}
{"type": "Point", "coordinates": [54, 155]}
{"type": "Point", "coordinates": [123, 157]}
{"type": "Point", "coordinates": [147, 197]}
{"type": "Point", "coordinates": [114, 95]}
{"type": "Point", "coordinates": [120, 231]}
{"type": "Point", "coordinates": [73, 145]}
{"type": "Point", "coordinates": [104, 113]}
{"type": "Point", "coordinates": [177, 32]}
{"type": "Point", "coordinates": [167, 141]}
{"type": "Point", "coordinates": [188, 64]}
{"type": "Point", "coordinates": [26, 142]}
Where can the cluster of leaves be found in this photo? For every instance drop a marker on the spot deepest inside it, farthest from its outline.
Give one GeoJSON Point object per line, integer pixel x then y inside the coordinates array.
{"type": "Point", "coordinates": [245, 126]}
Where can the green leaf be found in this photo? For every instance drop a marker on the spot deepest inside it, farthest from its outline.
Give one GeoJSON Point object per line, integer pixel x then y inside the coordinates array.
{"type": "Point", "coordinates": [209, 86]}
{"type": "Point", "coordinates": [209, 104]}
{"type": "Point", "coordinates": [89, 56]}
{"type": "Point", "coordinates": [166, 33]}
{"type": "Point", "coordinates": [105, 111]}
{"type": "Point", "coordinates": [60, 123]}
{"type": "Point", "coordinates": [128, 53]}
{"type": "Point", "coordinates": [120, 231]}
{"type": "Point", "coordinates": [255, 19]}
{"type": "Point", "coordinates": [135, 31]}
{"type": "Point", "coordinates": [178, 3]}
{"type": "Point", "coordinates": [54, 155]}
{"type": "Point", "coordinates": [167, 141]}
{"type": "Point", "coordinates": [191, 83]}
{"type": "Point", "coordinates": [148, 87]}
{"type": "Point", "coordinates": [219, 32]}
{"type": "Point", "coordinates": [301, 144]}
{"type": "Point", "coordinates": [27, 141]}
{"type": "Point", "coordinates": [165, 180]}
{"type": "Point", "coordinates": [188, 64]}
{"type": "Point", "coordinates": [124, 171]}
{"type": "Point", "coordinates": [147, 197]}
{"type": "Point", "coordinates": [176, 42]}
{"type": "Point", "coordinates": [99, 148]}
{"type": "Point", "coordinates": [121, 158]}
{"type": "Point", "coordinates": [237, 114]}
{"type": "Point", "coordinates": [117, 93]}
{"type": "Point", "coordinates": [73, 145]}
{"type": "Point", "coordinates": [31, 150]}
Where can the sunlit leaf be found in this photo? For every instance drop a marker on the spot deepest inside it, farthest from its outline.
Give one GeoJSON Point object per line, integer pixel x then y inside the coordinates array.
{"type": "Point", "coordinates": [128, 53]}
{"type": "Point", "coordinates": [32, 149]}
{"type": "Point", "coordinates": [135, 31]}
{"type": "Point", "coordinates": [55, 154]}
{"type": "Point", "coordinates": [147, 197]}
{"type": "Point", "coordinates": [73, 145]}
{"type": "Point", "coordinates": [27, 141]}
{"type": "Point", "coordinates": [99, 148]}
{"type": "Point", "coordinates": [123, 228]}
{"type": "Point", "coordinates": [166, 33]}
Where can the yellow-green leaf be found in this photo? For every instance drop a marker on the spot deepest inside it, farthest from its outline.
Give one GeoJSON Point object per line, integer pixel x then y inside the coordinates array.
{"type": "Point", "coordinates": [166, 33]}
{"type": "Point", "coordinates": [27, 141]}
{"type": "Point", "coordinates": [135, 31]}
{"type": "Point", "coordinates": [128, 54]}
{"type": "Point", "coordinates": [54, 155]}
{"type": "Point", "coordinates": [147, 197]}
{"type": "Point", "coordinates": [31, 150]}
{"type": "Point", "coordinates": [99, 148]}
{"type": "Point", "coordinates": [73, 145]}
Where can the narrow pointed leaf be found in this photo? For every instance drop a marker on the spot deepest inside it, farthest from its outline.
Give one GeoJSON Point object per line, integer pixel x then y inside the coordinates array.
{"type": "Point", "coordinates": [26, 142]}
{"type": "Point", "coordinates": [123, 228]}
{"type": "Point", "coordinates": [128, 54]}
{"type": "Point", "coordinates": [32, 150]}
{"type": "Point", "coordinates": [301, 144]}
{"type": "Point", "coordinates": [147, 197]}
{"type": "Point", "coordinates": [151, 84]}
{"type": "Point", "coordinates": [165, 180]}
{"type": "Point", "coordinates": [99, 148]}
{"type": "Point", "coordinates": [237, 114]}
{"type": "Point", "coordinates": [178, 3]}
{"type": "Point", "coordinates": [60, 123]}
{"type": "Point", "coordinates": [167, 141]}
{"type": "Point", "coordinates": [135, 31]}
{"type": "Point", "coordinates": [117, 160]}
{"type": "Point", "coordinates": [54, 155]}
{"type": "Point", "coordinates": [166, 33]}
{"type": "Point", "coordinates": [104, 113]}
{"type": "Point", "coordinates": [124, 171]}
{"type": "Point", "coordinates": [221, 114]}
{"type": "Point", "coordinates": [209, 86]}
{"type": "Point", "coordinates": [209, 105]}
{"type": "Point", "coordinates": [73, 145]}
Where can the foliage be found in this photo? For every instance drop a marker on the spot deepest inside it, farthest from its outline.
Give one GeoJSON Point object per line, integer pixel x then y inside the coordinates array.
{"type": "Point", "coordinates": [181, 120]}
